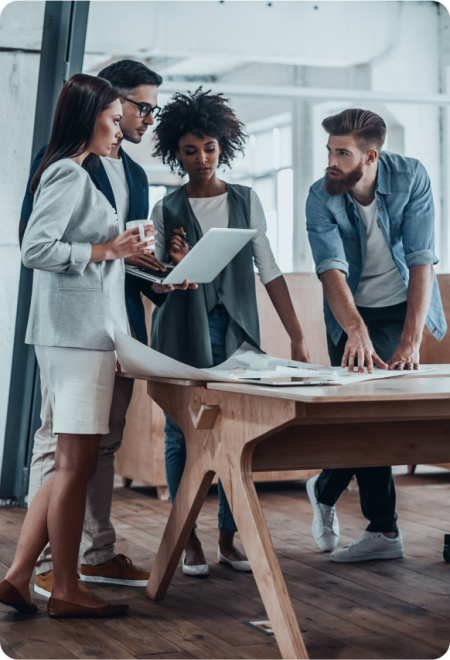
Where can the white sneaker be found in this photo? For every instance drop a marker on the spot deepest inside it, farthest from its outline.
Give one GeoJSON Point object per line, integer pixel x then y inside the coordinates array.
{"type": "Point", "coordinates": [242, 565]}
{"type": "Point", "coordinates": [325, 527]}
{"type": "Point", "coordinates": [371, 545]}
{"type": "Point", "coordinates": [195, 571]}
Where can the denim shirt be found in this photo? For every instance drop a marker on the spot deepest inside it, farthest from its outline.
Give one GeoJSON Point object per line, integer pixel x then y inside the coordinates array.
{"type": "Point", "coordinates": [406, 217]}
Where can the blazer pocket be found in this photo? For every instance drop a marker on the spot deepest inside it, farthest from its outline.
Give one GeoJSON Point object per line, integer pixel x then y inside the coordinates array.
{"type": "Point", "coordinates": [91, 280]}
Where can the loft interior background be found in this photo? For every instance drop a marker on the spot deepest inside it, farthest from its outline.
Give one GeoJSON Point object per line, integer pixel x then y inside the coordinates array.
{"type": "Point", "coordinates": [360, 54]}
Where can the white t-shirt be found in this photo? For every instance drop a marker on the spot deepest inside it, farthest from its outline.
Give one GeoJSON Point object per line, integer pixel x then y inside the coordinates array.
{"type": "Point", "coordinates": [381, 284]}
{"type": "Point", "coordinates": [118, 180]}
{"type": "Point", "coordinates": [213, 212]}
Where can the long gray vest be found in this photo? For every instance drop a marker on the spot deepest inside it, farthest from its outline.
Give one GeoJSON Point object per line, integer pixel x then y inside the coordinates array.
{"type": "Point", "coordinates": [180, 327]}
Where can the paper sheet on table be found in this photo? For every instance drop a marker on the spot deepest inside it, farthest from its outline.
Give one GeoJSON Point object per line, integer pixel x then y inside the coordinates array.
{"type": "Point", "coordinates": [284, 372]}
{"type": "Point", "coordinates": [249, 362]}
{"type": "Point", "coordinates": [141, 361]}
{"type": "Point", "coordinates": [344, 377]}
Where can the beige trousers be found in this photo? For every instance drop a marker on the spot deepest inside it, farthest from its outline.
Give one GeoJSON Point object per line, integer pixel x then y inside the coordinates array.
{"type": "Point", "coordinates": [97, 543]}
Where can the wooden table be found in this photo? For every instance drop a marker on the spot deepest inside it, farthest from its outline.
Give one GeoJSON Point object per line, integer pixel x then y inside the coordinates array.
{"type": "Point", "coordinates": [235, 429]}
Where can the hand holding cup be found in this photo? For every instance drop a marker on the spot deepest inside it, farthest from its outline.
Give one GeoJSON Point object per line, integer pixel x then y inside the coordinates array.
{"type": "Point", "coordinates": [134, 241]}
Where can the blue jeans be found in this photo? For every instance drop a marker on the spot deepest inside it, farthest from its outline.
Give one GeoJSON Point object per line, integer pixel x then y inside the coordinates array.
{"type": "Point", "coordinates": [175, 446]}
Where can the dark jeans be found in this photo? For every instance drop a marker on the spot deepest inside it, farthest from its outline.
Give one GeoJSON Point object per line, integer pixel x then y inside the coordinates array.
{"type": "Point", "coordinates": [376, 485]}
{"type": "Point", "coordinates": [175, 445]}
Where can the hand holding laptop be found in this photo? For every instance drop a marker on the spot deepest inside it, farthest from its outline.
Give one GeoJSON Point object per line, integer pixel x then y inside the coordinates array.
{"type": "Point", "coordinates": [147, 232]}
{"type": "Point", "coordinates": [167, 288]}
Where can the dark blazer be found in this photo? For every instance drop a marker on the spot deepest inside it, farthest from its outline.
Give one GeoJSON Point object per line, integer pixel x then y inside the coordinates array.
{"type": "Point", "coordinates": [138, 209]}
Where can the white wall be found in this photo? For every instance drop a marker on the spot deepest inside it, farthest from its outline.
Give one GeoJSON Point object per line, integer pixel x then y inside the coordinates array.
{"type": "Point", "coordinates": [20, 28]}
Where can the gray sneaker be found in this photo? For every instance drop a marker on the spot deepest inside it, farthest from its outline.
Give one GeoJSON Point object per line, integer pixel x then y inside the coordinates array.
{"type": "Point", "coordinates": [325, 527]}
{"type": "Point", "coordinates": [371, 545]}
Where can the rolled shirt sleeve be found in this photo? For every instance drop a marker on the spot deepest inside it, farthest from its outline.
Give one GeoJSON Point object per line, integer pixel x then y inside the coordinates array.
{"type": "Point", "coordinates": [268, 269]}
{"type": "Point", "coordinates": [418, 222]}
{"type": "Point", "coordinates": [55, 201]}
{"type": "Point", "coordinates": [324, 237]}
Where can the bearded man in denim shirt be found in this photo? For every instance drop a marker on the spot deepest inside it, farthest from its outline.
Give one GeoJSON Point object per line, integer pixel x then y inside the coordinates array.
{"type": "Point", "coordinates": [370, 224]}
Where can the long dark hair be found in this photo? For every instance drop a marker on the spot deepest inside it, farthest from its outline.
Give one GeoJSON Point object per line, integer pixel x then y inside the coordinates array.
{"type": "Point", "coordinates": [81, 101]}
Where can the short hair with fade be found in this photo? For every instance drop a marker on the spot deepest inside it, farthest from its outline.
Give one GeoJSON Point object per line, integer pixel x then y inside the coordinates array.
{"type": "Point", "coordinates": [126, 75]}
{"type": "Point", "coordinates": [368, 128]}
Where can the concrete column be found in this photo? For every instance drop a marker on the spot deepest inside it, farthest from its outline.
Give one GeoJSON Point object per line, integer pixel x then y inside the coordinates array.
{"type": "Point", "coordinates": [20, 40]}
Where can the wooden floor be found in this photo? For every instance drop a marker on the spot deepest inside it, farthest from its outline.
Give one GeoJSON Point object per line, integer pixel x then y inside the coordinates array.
{"type": "Point", "coordinates": [388, 609]}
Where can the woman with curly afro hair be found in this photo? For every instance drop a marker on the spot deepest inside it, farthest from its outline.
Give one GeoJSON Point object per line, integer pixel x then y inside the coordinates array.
{"type": "Point", "coordinates": [196, 134]}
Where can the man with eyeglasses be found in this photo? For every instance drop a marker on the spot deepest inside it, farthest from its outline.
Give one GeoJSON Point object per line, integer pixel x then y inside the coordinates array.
{"type": "Point", "coordinates": [125, 185]}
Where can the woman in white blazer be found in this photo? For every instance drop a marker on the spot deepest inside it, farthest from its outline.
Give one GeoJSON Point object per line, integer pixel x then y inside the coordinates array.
{"type": "Point", "coordinates": [74, 243]}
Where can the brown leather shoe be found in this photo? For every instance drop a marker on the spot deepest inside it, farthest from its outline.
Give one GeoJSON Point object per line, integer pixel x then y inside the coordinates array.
{"type": "Point", "coordinates": [9, 595]}
{"type": "Point", "coordinates": [63, 609]}
{"type": "Point", "coordinates": [43, 585]}
{"type": "Point", "coordinates": [118, 570]}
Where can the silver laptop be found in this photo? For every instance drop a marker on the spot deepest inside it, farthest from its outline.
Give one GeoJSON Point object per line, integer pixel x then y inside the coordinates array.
{"type": "Point", "coordinates": [204, 262]}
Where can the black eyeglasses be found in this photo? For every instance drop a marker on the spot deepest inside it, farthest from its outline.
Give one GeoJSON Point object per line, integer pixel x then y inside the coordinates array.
{"type": "Point", "coordinates": [145, 109]}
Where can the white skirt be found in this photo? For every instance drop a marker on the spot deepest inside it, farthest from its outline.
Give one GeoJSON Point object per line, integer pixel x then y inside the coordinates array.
{"type": "Point", "coordinates": [80, 384]}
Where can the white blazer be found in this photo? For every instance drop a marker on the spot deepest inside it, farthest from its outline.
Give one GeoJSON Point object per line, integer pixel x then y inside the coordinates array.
{"type": "Point", "coordinates": [74, 303]}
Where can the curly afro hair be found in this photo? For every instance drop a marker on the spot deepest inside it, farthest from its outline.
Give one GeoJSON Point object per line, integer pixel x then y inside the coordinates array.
{"type": "Point", "coordinates": [201, 113]}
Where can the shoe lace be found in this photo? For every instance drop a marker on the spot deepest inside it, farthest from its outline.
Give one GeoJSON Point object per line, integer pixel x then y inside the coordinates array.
{"type": "Point", "coordinates": [368, 536]}
{"type": "Point", "coordinates": [123, 561]}
{"type": "Point", "coordinates": [327, 515]}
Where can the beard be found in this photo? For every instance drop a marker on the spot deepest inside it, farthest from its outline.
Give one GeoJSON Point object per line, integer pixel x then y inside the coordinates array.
{"type": "Point", "coordinates": [132, 135]}
{"type": "Point", "coordinates": [345, 182]}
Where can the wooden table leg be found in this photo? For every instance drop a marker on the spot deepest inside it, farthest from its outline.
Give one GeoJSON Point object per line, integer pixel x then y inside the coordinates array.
{"type": "Point", "coordinates": [225, 451]}
{"type": "Point", "coordinates": [244, 503]}
{"type": "Point", "coordinates": [191, 494]}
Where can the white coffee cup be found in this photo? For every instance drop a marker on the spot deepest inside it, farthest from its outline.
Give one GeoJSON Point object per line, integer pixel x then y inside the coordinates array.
{"type": "Point", "coordinates": [142, 224]}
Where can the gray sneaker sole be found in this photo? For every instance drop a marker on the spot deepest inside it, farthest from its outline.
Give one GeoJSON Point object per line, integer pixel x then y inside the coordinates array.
{"type": "Point", "coordinates": [105, 580]}
{"type": "Point", "coordinates": [385, 554]}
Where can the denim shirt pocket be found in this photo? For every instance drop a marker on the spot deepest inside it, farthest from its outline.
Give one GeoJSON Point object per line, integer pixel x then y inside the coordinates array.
{"type": "Point", "coordinates": [352, 247]}
{"type": "Point", "coordinates": [395, 224]}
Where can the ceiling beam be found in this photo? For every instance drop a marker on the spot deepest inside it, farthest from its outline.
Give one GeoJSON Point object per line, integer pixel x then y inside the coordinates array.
{"type": "Point", "coordinates": [309, 93]}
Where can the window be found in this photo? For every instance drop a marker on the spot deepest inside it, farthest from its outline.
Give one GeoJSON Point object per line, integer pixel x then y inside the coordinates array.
{"type": "Point", "coordinates": [267, 168]}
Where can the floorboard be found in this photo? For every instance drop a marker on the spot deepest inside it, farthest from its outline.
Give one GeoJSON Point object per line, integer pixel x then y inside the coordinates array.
{"type": "Point", "coordinates": [396, 609]}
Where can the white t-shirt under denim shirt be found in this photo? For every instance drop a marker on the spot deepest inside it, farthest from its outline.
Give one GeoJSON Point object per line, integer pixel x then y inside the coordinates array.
{"type": "Point", "coordinates": [214, 212]}
{"type": "Point", "coordinates": [381, 284]}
